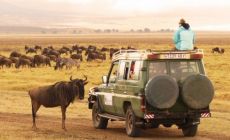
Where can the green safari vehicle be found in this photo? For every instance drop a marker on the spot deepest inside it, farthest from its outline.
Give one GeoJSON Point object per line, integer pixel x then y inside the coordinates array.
{"type": "Point", "coordinates": [151, 88]}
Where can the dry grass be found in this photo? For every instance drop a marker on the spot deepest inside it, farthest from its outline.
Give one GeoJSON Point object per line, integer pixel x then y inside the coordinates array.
{"type": "Point", "coordinates": [14, 84]}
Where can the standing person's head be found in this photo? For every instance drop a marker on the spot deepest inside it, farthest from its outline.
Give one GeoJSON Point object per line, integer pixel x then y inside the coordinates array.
{"type": "Point", "coordinates": [184, 24]}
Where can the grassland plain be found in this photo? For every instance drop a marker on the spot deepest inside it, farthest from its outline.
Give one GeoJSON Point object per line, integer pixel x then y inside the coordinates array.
{"type": "Point", "coordinates": [15, 107]}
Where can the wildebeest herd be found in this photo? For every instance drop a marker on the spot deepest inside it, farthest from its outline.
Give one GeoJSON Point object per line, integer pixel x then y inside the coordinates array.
{"type": "Point", "coordinates": [44, 56]}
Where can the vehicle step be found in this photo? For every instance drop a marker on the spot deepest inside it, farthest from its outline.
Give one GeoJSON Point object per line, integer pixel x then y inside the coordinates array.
{"type": "Point", "coordinates": [112, 117]}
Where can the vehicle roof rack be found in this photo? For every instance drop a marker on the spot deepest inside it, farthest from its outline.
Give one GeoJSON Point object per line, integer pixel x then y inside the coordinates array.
{"type": "Point", "coordinates": [142, 54]}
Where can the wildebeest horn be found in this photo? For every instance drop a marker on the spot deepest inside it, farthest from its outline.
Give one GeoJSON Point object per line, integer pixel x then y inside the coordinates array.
{"type": "Point", "coordinates": [85, 78]}
{"type": "Point", "coordinates": [71, 78]}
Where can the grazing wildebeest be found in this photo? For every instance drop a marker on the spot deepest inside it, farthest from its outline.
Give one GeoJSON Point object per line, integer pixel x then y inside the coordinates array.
{"type": "Point", "coordinates": [96, 55]}
{"type": "Point", "coordinates": [68, 62]}
{"type": "Point", "coordinates": [31, 50]}
{"type": "Point", "coordinates": [26, 47]}
{"type": "Point", "coordinates": [15, 54]}
{"type": "Point", "coordinates": [131, 48]}
{"type": "Point", "coordinates": [52, 57]}
{"type": "Point", "coordinates": [112, 51]}
{"type": "Point", "coordinates": [75, 47]}
{"type": "Point", "coordinates": [23, 62]}
{"type": "Point", "coordinates": [60, 94]}
{"type": "Point", "coordinates": [14, 59]}
{"type": "Point", "coordinates": [41, 60]}
{"type": "Point", "coordinates": [103, 49]}
{"type": "Point", "coordinates": [76, 56]}
{"type": "Point", "coordinates": [27, 57]}
{"type": "Point", "coordinates": [54, 52]}
{"type": "Point", "coordinates": [37, 47]}
{"type": "Point", "coordinates": [218, 50]}
{"type": "Point", "coordinates": [5, 61]}
{"type": "Point", "coordinates": [90, 48]}
{"type": "Point", "coordinates": [63, 51]}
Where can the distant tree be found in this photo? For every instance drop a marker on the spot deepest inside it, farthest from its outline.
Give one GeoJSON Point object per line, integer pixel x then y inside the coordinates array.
{"type": "Point", "coordinates": [132, 30]}
{"type": "Point", "coordinates": [74, 31]}
{"type": "Point", "coordinates": [43, 32]}
{"type": "Point", "coordinates": [140, 30]}
{"type": "Point", "coordinates": [107, 31]}
{"type": "Point", "coordinates": [54, 32]}
{"type": "Point", "coordinates": [147, 30]}
{"type": "Point", "coordinates": [98, 31]}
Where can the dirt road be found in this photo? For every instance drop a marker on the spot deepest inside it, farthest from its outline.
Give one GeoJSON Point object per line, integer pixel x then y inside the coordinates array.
{"type": "Point", "coordinates": [16, 122]}
{"type": "Point", "coordinates": [19, 126]}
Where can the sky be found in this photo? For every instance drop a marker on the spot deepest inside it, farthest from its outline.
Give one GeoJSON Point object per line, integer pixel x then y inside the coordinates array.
{"type": "Point", "coordinates": [118, 14]}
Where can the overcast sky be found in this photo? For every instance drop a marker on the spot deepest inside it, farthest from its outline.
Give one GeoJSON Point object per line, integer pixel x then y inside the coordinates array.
{"type": "Point", "coordinates": [120, 14]}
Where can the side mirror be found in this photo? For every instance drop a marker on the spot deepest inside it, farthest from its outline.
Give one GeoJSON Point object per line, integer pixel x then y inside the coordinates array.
{"type": "Point", "coordinates": [104, 79]}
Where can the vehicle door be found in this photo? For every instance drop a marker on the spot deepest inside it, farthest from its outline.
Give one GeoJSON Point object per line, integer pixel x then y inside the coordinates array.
{"type": "Point", "coordinates": [109, 90]}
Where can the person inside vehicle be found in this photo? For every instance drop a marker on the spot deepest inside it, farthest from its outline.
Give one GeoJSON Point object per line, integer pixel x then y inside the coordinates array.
{"type": "Point", "coordinates": [184, 37]}
{"type": "Point", "coordinates": [131, 73]}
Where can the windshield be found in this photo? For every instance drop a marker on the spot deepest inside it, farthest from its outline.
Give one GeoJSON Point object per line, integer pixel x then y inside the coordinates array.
{"type": "Point", "coordinates": [177, 69]}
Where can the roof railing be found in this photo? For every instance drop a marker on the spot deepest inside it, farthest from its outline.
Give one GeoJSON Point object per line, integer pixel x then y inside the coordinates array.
{"type": "Point", "coordinates": [140, 53]}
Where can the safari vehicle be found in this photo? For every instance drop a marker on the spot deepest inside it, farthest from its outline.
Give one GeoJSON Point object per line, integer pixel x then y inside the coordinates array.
{"type": "Point", "coordinates": [152, 88]}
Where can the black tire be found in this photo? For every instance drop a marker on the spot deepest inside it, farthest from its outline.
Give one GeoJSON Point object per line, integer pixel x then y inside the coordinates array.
{"type": "Point", "coordinates": [155, 125]}
{"type": "Point", "coordinates": [167, 125]}
{"type": "Point", "coordinates": [197, 91]}
{"type": "Point", "coordinates": [98, 122]}
{"type": "Point", "coordinates": [130, 123]}
{"type": "Point", "coordinates": [190, 131]}
{"type": "Point", "coordinates": [162, 91]}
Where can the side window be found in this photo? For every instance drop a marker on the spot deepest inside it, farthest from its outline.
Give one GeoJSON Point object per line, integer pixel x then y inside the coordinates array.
{"type": "Point", "coordinates": [156, 68]}
{"type": "Point", "coordinates": [114, 72]}
{"type": "Point", "coordinates": [134, 70]}
{"type": "Point", "coordinates": [123, 70]}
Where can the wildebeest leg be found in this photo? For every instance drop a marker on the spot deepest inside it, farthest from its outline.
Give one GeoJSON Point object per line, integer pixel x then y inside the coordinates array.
{"type": "Point", "coordinates": [35, 107]}
{"type": "Point", "coordinates": [63, 110]}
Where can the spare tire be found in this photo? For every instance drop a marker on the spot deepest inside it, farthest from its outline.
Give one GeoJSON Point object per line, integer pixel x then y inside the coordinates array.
{"type": "Point", "coordinates": [197, 91]}
{"type": "Point", "coordinates": [162, 92]}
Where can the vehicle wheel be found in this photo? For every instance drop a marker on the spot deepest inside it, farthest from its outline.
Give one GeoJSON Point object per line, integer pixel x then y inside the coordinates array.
{"type": "Point", "coordinates": [98, 122]}
{"type": "Point", "coordinates": [190, 131]}
{"type": "Point", "coordinates": [167, 125]}
{"type": "Point", "coordinates": [131, 128]}
{"type": "Point", "coordinates": [155, 125]}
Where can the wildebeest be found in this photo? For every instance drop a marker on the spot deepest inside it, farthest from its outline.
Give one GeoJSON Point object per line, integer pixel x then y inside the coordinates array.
{"type": "Point", "coordinates": [112, 51]}
{"type": "Point", "coordinates": [27, 57]}
{"type": "Point", "coordinates": [37, 47]}
{"type": "Point", "coordinates": [96, 55]}
{"type": "Point", "coordinates": [68, 62]}
{"type": "Point", "coordinates": [76, 56]}
{"type": "Point", "coordinates": [26, 47]}
{"type": "Point", "coordinates": [5, 61]}
{"type": "Point", "coordinates": [31, 50]}
{"type": "Point", "coordinates": [14, 59]}
{"type": "Point", "coordinates": [63, 51]}
{"type": "Point", "coordinates": [75, 47]}
{"type": "Point", "coordinates": [23, 62]}
{"type": "Point", "coordinates": [90, 49]}
{"type": "Point", "coordinates": [15, 54]}
{"type": "Point", "coordinates": [218, 50]}
{"type": "Point", "coordinates": [104, 49]}
{"type": "Point", "coordinates": [41, 60]}
{"type": "Point", "coordinates": [52, 57]}
{"type": "Point", "coordinates": [59, 94]}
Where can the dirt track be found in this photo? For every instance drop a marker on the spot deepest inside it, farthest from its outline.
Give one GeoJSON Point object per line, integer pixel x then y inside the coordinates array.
{"type": "Point", "coordinates": [16, 122]}
{"type": "Point", "coordinates": [81, 128]}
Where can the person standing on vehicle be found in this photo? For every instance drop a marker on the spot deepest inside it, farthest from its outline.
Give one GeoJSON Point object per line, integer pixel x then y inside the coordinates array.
{"type": "Point", "coordinates": [184, 37]}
